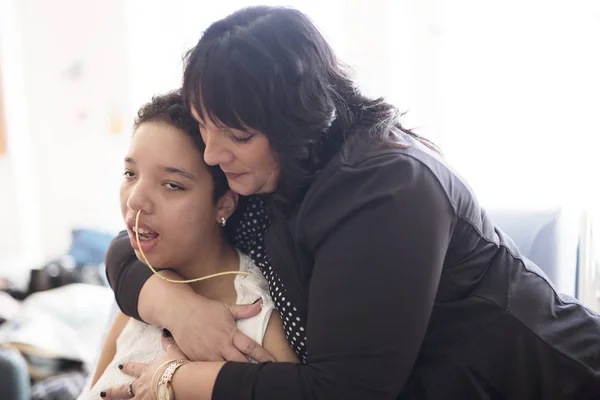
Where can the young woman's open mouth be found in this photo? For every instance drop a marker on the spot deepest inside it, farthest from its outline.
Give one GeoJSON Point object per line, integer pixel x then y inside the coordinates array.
{"type": "Point", "coordinates": [148, 237]}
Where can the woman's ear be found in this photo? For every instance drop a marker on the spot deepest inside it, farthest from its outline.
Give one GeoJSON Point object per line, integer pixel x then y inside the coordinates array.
{"type": "Point", "coordinates": [226, 205]}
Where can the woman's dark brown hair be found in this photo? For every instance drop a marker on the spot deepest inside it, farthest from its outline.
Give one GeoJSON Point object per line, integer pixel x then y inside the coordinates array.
{"type": "Point", "coordinates": [271, 70]}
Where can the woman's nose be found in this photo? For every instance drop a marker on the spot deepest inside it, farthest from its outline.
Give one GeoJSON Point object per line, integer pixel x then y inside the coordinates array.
{"type": "Point", "coordinates": [216, 151]}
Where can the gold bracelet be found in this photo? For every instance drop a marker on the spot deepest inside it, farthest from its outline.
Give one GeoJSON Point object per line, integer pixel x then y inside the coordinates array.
{"type": "Point", "coordinates": [154, 379]}
{"type": "Point", "coordinates": [164, 387]}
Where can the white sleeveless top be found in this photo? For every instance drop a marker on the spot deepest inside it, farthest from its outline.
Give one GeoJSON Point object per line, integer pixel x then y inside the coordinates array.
{"type": "Point", "coordinates": [140, 342]}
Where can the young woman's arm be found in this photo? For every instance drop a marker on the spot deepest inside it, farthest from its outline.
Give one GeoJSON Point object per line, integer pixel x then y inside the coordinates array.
{"type": "Point", "coordinates": [276, 343]}
{"type": "Point", "coordinates": [110, 346]}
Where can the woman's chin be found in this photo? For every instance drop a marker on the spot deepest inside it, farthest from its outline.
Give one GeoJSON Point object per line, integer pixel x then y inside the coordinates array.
{"type": "Point", "coordinates": [242, 190]}
{"type": "Point", "coordinates": [247, 189]}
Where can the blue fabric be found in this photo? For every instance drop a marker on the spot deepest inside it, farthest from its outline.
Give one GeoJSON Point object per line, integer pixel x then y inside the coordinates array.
{"type": "Point", "coordinates": [89, 247]}
{"type": "Point", "coordinates": [549, 238]}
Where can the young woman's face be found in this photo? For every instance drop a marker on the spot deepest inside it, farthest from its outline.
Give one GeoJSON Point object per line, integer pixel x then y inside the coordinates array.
{"type": "Point", "coordinates": [166, 179]}
{"type": "Point", "coordinates": [246, 158]}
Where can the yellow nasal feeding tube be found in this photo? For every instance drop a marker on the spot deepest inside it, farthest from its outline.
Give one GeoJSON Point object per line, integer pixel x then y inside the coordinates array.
{"type": "Point", "coordinates": [137, 239]}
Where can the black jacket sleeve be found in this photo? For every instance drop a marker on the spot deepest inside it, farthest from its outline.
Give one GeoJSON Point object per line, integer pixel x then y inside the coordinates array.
{"type": "Point", "coordinates": [378, 232]}
{"type": "Point", "coordinates": [126, 274]}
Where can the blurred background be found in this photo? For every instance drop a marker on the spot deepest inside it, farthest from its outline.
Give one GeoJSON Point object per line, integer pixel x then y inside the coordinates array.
{"type": "Point", "coordinates": [509, 90]}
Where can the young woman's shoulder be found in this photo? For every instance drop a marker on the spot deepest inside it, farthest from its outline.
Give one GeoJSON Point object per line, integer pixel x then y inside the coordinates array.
{"type": "Point", "coordinates": [266, 327]}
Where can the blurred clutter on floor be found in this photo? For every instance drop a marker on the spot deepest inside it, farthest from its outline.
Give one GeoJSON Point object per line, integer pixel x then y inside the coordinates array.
{"type": "Point", "coordinates": [51, 331]}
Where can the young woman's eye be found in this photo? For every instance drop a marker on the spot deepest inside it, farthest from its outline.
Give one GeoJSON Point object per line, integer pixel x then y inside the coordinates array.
{"type": "Point", "coordinates": [174, 187]}
{"type": "Point", "coordinates": [128, 174]}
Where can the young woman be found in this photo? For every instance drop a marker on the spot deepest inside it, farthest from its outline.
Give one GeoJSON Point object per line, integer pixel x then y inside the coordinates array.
{"type": "Point", "coordinates": [184, 208]}
{"type": "Point", "coordinates": [391, 280]}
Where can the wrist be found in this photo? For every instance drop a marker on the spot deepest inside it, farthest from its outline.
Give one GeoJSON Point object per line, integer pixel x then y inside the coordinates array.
{"type": "Point", "coordinates": [195, 380]}
{"type": "Point", "coordinates": [162, 385]}
{"type": "Point", "coordinates": [158, 297]}
{"type": "Point", "coordinates": [183, 304]}
{"type": "Point", "coordinates": [156, 379]}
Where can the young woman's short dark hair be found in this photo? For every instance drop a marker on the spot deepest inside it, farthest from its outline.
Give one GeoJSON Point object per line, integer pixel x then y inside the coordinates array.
{"type": "Point", "coordinates": [171, 109]}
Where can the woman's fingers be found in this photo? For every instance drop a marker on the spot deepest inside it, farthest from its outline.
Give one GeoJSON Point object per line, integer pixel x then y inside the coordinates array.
{"type": "Point", "coordinates": [118, 392]}
{"type": "Point", "coordinates": [243, 311]}
{"type": "Point", "coordinates": [244, 345]}
{"type": "Point", "coordinates": [134, 369]}
{"type": "Point", "coordinates": [170, 347]}
{"type": "Point", "coordinates": [250, 348]}
{"type": "Point", "coordinates": [233, 354]}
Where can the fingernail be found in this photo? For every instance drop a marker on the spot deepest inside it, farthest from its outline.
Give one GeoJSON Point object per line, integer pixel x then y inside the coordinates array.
{"type": "Point", "coordinates": [102, 394]}
{"type": "Point", "coordinates": [257, 300]}
{"type": "Point", "coordinates": [166, 333]}
{"type": "Point", "coordinates": [120, 366]}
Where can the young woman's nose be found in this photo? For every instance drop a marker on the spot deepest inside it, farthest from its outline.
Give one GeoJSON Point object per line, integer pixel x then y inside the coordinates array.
{"type": "Point", "coordinates": [140, 199]}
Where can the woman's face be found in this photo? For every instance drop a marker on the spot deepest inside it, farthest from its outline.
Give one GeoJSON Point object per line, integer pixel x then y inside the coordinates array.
{"type": "Point", "coordinates": [246, 158]}
{"type": "Point", "coordinates": [166, 179]}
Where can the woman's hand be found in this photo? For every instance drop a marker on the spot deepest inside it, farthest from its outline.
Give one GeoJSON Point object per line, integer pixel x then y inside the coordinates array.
{"type": "Point", "coordinates": [205, 330]}
{"type": "Point", "coordinates": [142, 387]}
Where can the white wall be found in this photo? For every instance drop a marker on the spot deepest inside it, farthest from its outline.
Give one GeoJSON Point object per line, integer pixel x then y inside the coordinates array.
{"type": "Point", "coordinates": [66, 77]}
{"type": "Point", "coordinates": [18, 193]}
{"type": "Point", "coordinates": [518, 84]}
{"type": "Point", "coordinates": [10, 243]}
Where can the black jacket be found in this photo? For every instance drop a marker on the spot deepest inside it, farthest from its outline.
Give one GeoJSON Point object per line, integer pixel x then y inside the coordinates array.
{"type": "Point", "coordinates": [406, 290]}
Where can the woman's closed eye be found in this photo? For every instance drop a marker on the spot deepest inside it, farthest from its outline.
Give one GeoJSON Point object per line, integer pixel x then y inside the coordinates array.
{"type": "Point", "coordinates": [241, 140]}
{"type": "Point", "coordinates": [239, 136]}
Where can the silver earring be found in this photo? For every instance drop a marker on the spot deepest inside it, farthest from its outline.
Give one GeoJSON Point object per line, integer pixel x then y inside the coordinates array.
{"type": "Point", "coordinates": [223, 221]}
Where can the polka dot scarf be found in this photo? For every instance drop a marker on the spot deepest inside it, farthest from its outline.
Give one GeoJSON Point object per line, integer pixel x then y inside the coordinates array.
{"type": "Point", "coordinates": [249, 238]}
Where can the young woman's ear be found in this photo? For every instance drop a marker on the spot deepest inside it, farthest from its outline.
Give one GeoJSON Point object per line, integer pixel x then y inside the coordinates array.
{"type": "Point", "coordinates": [226, 205]}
